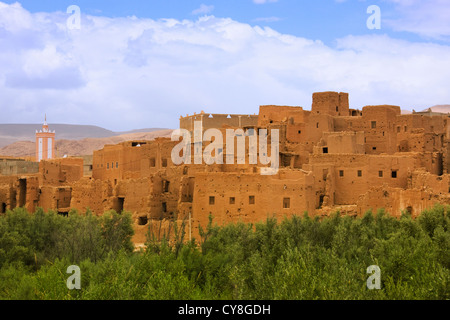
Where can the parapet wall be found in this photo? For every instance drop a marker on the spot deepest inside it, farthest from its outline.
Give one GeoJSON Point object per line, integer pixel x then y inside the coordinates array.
{"type": "Point", "coordinates": [332, 103]}
{"type": "Point", "coordinates": [216, 121]}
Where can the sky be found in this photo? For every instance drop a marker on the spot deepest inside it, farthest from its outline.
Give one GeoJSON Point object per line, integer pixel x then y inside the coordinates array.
{"type": "Point", "coordinates": [133, 64]}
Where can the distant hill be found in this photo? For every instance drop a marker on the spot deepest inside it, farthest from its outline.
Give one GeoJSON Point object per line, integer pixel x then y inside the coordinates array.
{"type": "Point", "coordinates": [80, 147]}
{"type": "Point", "coordinates": [11, 133]}
{"type": "Point", "coordinates": [443, 108]}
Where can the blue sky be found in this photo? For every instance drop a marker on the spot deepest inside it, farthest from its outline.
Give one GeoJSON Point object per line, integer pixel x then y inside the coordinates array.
{"type": "Point", "coordinates": [325, 20]}
{"type": "Point", "coordinates": [136, 64]}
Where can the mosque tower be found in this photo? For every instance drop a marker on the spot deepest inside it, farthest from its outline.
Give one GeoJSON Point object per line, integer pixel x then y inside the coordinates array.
{"type": "Point", "coordinates": [45, 143]}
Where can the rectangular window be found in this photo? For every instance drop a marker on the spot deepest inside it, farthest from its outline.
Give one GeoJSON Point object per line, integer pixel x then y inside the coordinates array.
{"type": "Point", "coordinates": [299, 131]}
{"type": "Point", "coordinates": [164, 207]}
{"type": "Point", "coordinates": [107, 165]}
{"type": "Point", "coordinates": [232, 200]}
{"type": "Point", "coordinates": [286, 203]}
{"type": "Point", "coordinates": [394, 174]}
{"type": "Point", "coordinates": [152, 162]}
{"type": "Point", "coordinates": [406, 128]}
{"type": "Point", "coordinates": [117, 165]}
{"type": "Point", "coordinates": [398, 129]}
{"type": "Point", "coordinates": [164, 163]}
{"type": "Point", "coordinates": [380, 174]}
{"type": "Point", "coordinates": [165, 186]}
{"type": "Point", "coordinates": [374, 124]}
{"type": "Point", "coordinates": [325, 150]}
{"type": "Point", "coordinates": [212, 200]}
{"type": "Point", "coordinates": [251, 200]}
{"type": "Point", "coordinates": [359, 173]}
{"type": "Point", "coordinates": [341, 173]}
{"type": "Point", "coordinates": [374, 148]}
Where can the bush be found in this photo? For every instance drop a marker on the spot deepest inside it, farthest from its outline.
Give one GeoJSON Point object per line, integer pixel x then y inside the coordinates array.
{"type": "Point", "coordinates": [296, 258]}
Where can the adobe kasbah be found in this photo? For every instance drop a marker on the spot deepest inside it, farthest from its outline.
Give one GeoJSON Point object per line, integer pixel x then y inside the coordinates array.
{"type": "Point", "coordinates": [331, 158]}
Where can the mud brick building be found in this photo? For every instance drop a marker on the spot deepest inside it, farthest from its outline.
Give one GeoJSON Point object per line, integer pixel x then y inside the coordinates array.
{"type": "Point", "coordinates": [330, 158]}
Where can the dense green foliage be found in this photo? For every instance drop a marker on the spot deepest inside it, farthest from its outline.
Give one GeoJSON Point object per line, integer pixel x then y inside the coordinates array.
{"type": "Point", "coordinates": [297, 258]}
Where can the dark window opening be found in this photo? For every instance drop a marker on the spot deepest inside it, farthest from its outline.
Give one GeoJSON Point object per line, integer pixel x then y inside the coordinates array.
{"type": "Point", "coordinates": [164, 207]}
{"type": "Point", "coordinates": [152, 162]}
{"type": "Point", "coordinates": [232, 200]}
{"type": "Point", "coordinates": [286, 203]}
{"type": "Point", "coordinates": [325, 150]}
{"type": "Point", "coordinates": [117, 165]}
{"type": "Point", "coordinates": [374, 148]}
{"type": "Point", "coordinates": [374, 124]}
{"type": "Point", "coordinates": [380, 174]}
{"type": "Point", "coordinates": [406, 128]}
{"type": "Point", "coordinates": [321, 198]}
{"type": "Point", "coordinates": [142, 221]}
{"type": "Point", "coordinates": [251, 199]}
{"type": "Point", "coordinates": [120, 202]}
{"type": "Point", "coordinates": [359, 173]}
{"type": "Point", "coordinates": [22, 192]}
{"type": "Point", "coordinates": [165, 186]}
{"type": "Point", "coordinates": [212, 200]}
{"type": "Point", "coordinates": [185, 170]}
{"type": "Point", "coordinates": [164, 163]}
{"type": "Point", "coordinates": [337, 109]}
{"type": "Point", "coordinates": [398, 129]}
{"type": "Point", "coordinates": [3, 208]}
{"type": "Point", "coordinates": [394, 174]}
{"type": "Point", "coordinates": [107, 165]}
{"type": "Point", "coordinates": [325, 174]}
{"type": "Point", "coordinates": [299, 131]}
{"type": "Point", "coordinates": [341, 173]}
{"type": "Point", "coordinates": [409, 209]}
{"type": "Point", "coordinates": [317, 125]}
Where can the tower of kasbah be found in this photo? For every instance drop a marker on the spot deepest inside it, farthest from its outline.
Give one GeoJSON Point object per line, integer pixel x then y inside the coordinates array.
{"type": "Point", "coordinates": [45, 143]}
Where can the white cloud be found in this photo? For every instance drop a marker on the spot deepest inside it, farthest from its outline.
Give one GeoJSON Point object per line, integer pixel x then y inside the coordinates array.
{"type": "Point", "coordinates": [126, 73]}
{"type": "Point", "coordinates": [263, 1]}
{"type": "Point", "coordinates": [267, 19]}
{"type": "Point", "coordinates": [429, 18]}
{"type": "Point", "coordinates": [203, 9]}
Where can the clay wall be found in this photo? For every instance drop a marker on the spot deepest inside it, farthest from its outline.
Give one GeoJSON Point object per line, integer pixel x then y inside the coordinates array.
{"type": "Point", "coordinates": [62, 171]}
{"type": "Point", "coordinates": [341, 142]}
{"type": "Point", "coordinates": [270, 114]}
{"type": "Point", "coordinates": [218, 120]}
{"type": "Point", "coordinates": [232, 197]}
{"type": "Point", "coordinates": [19, 191]}
{"type": "Point", "coordinates": [331, 103]}
{"type": "Point", "coordinates": [15, 167]}
{"type": "Point", "coordinates": [355, 174]}
{"type": "Point", "coordinates": [379, 128]}
{"type": "Point", "coordinates": [398, 200]}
